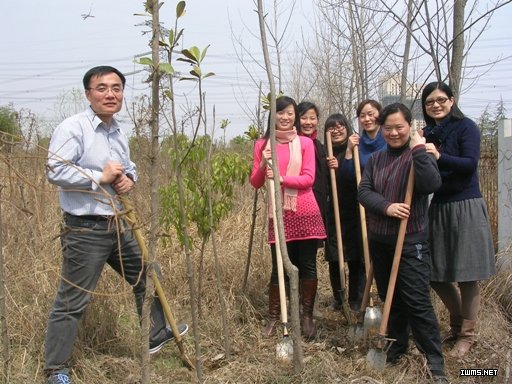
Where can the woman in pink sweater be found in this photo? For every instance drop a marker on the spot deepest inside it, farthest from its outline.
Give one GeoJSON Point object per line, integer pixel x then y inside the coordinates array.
{"type": "Point", "coordinates": [303, 223]}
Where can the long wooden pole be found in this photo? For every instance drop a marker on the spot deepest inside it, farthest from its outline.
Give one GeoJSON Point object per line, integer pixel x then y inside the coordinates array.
{"type": "Point", "coordinates": [362, 214]}
{"type": "Point", "coordinates": [285, 349]}
{"type": "Point", "coordinates": [339, 241]}
{"type": "Point", "coordinates": [396, 258]}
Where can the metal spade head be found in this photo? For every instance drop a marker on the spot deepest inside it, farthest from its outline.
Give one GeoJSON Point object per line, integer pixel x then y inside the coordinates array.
{"type": "Point", "coordinates": [372, 320]}
{"type": "Point", "coordinates": [376, 356]}
{"type": "Point", "coordinates": [356, 331]}
{"type": "Point", "coordinates": [284, 349]}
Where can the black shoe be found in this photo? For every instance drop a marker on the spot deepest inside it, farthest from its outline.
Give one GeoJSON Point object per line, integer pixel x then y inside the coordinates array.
{"type": "Point", "coordinates": [440, 379]}
{"type": "Point", "coordinates": [392, 358]}
{"type": "Point", "coordinates": [156, 345]}
{"type": "Point", "coordinates": [335, 305]}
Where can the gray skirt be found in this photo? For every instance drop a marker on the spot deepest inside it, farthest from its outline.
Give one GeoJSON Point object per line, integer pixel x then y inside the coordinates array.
{"type": "Point", "coordinates": [461, 241]}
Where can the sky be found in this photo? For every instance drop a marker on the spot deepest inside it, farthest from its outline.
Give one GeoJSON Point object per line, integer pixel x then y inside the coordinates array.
{"type": "Point", "coordinates": [47, 46]}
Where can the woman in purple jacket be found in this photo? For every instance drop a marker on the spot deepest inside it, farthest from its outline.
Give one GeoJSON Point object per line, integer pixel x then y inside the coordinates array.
{"type": "Point", "coordinates": [382, 192]}
{"type": "Point", "coordinates": [460, 234]}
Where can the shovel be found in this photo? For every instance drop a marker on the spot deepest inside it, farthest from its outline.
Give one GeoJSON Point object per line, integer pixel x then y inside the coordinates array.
{"type": "Point", "coordinates": [367, 321]}
{"type": "Point", "coordinates": [362, 214]}
{"type": "Point", "coordinates": [284, 349]}
{"type": "Point", "coordinates": [132, 220]}
{"type": "Point", "coordinates": [376, 356]}
{"type": "Point", "coordinates": [339, 243]}
{"type": "Point", "coordinates": [372, 315]}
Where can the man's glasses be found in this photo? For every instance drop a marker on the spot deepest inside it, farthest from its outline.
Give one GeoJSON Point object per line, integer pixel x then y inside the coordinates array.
{"type": "Point", "coordinates": [103, 89]}
{"type": "Point", "coordinates": [439, 100]}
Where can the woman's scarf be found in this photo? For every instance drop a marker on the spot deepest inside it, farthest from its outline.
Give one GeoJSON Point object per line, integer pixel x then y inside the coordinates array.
{"type": "Point", "coordinates": [367, 146]}
{"type": "Point", "coordinates": [313, 136]}
{"type": "Point", "coordinates": [294, 166]}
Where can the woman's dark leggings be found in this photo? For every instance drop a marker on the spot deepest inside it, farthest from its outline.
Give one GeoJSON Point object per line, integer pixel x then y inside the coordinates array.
{"type": "Point", "coordinates": [302, 254]}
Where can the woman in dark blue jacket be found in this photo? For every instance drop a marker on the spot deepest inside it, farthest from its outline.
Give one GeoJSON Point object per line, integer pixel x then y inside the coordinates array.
{"type": "Point", "coordinates": [460, 234]}
{"type": "Point", "coordinates": [369, 140]}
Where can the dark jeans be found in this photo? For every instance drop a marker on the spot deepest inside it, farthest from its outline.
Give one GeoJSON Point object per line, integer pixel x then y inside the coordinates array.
{"type": "Point", "coordinates": [87, 245]}
{"type": "Point", "coordinates": [302, 254]}
{"type": "Point", "coordinates": [412, 306]}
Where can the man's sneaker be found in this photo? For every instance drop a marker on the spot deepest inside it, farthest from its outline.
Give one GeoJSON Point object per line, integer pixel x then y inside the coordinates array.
{"type": "Point", "coordinates": [60, 377]}
{"type": "Point", "coordinates": [156, 345]}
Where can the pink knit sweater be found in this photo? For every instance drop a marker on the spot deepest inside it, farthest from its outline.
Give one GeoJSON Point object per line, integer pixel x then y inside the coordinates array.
{"type": "Point", "coordinates": [306, 222]}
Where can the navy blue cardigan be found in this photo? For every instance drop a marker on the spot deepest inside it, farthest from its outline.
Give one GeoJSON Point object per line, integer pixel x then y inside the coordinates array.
{"type": "Point", "coordinates": [458, 142]}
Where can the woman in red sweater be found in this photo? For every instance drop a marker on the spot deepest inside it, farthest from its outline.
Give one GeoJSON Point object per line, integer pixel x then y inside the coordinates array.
{"type": "Point", "coordinates": [303, 223]}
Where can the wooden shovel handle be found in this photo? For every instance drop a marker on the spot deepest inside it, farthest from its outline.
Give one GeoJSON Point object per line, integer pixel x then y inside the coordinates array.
{"type": "Point", "coordinates": [362, 214]}
{"type": "Point", "coordinates": [396, 257]}
{"type": "Point", "coordinates": [367, 286]}
{"type": "Point", "coordinates": [279, 257]}
{"type": "Point", "coordinates": [337, 221]}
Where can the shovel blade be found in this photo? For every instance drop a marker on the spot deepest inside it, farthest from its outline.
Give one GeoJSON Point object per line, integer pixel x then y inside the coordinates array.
{"type": "Point", "coordinates": [372, 320]}
{"type": "Point", "coordinates": [284, 349]}
{"type": "Point", "coordinates": [376, 358]}
{"type": "Point", "coordinates": [356, 332]}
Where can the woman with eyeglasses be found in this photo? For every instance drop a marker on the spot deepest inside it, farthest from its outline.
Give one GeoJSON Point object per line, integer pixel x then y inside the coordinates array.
{"type": "Point", "coordinates": [369, 140]}
{"type": "Point", "coordinates": [460, 234]}
{"type": "Point", "coordinates": [340, 129]}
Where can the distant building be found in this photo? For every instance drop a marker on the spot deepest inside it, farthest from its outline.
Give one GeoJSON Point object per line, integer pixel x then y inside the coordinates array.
{"type": "Point", "coordinates": [389, 93]}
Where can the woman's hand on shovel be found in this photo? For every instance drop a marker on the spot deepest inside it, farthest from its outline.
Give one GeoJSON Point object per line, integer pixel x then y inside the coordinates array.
{"type": "Point", "coordinates": [398, 211]}
{"type": "Point", "coordinates": [332, 162]}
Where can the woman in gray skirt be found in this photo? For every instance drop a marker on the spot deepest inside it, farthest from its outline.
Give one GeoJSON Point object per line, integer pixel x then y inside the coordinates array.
{"type": "Point", "coordinates": [460, 235]}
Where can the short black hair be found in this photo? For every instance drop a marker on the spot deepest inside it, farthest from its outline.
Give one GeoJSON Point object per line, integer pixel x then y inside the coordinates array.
{"type": "Point", "coordinates": [100, 71]}
{"type": "Point", "coordinates": [305, 106]}
{"type": "Point", "coordinates": [392, 109]}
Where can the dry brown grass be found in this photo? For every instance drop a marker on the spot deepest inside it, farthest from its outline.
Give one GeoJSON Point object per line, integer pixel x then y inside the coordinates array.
{"type": "Point", "coordinates": [107, 348]}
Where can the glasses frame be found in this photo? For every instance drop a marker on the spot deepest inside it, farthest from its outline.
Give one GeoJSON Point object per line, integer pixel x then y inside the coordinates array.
{"type": "Point", "coordinates": [104, 89]}
{"type": "Point", "coordinates": [340, 128]}
{"type": "Point", "coordinates": [441, 100]}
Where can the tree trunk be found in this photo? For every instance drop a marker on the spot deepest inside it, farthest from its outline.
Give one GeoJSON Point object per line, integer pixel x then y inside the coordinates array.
{"type": "Point", "coordinates": [407, 49]}
{"type": "Point", "coordinates": [200, 272]}
{"type": "Point", "coordinates": [218, 274]}
{"type": "Point", "coordinates": [3, 308]}
{"type": "Point", "coordinates": [291, 270]}
{"type": "Point", "coordinates": [251, 241]}
{"type": "Point", "coordinates": [153, 188]}
{"type": "Point", "coordinates": [190, 266]}
{"type": "Point", "coordinates": [455, 74]}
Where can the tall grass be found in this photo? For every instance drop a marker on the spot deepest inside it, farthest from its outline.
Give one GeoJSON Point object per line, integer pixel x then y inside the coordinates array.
{"type": "Point", "coordinates": [107, 349]}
